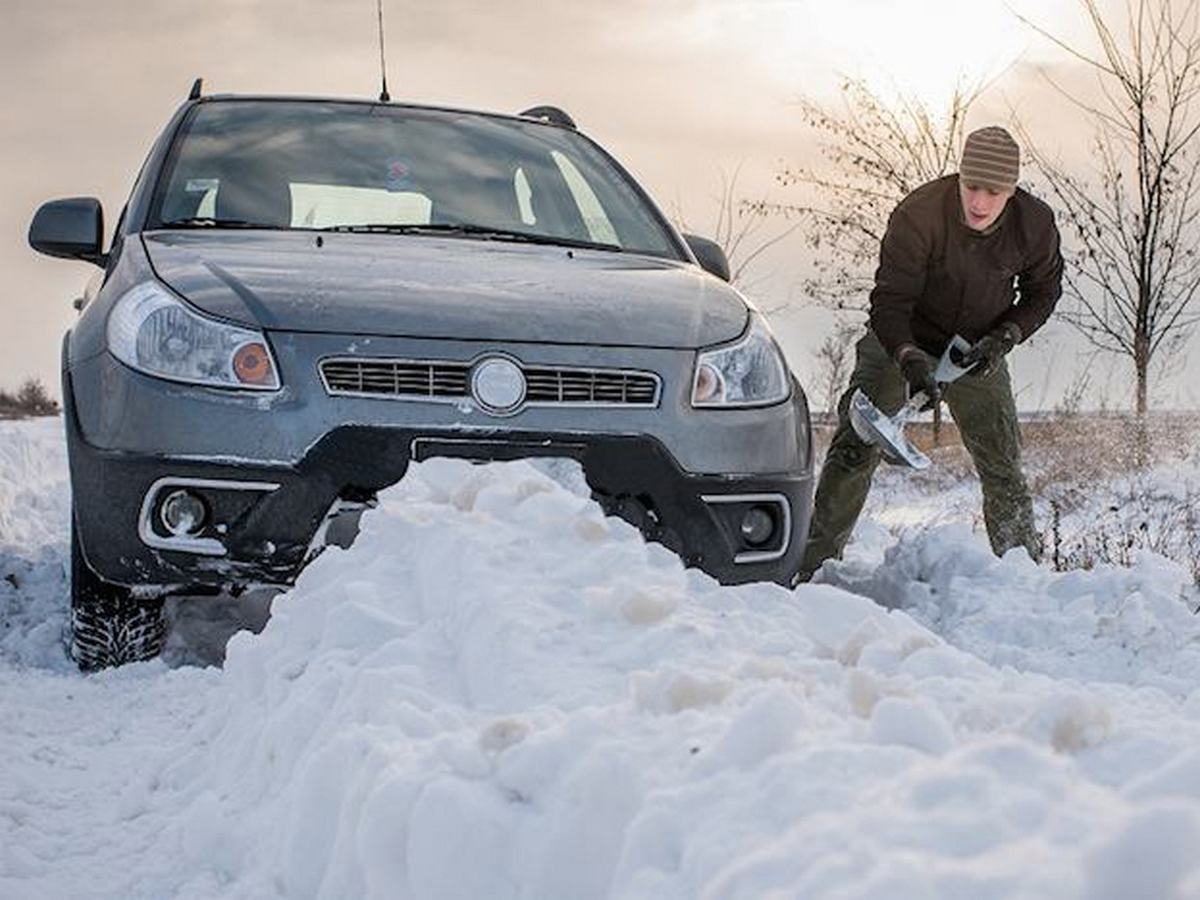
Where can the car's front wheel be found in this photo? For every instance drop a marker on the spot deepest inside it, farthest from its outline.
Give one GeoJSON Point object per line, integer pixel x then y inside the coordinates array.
{"type": "Point", "coordinates": [108, 625]}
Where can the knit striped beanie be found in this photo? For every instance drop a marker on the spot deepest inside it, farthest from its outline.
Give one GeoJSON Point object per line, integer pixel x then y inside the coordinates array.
{"type": "Point", "coordinates": [990, 159]}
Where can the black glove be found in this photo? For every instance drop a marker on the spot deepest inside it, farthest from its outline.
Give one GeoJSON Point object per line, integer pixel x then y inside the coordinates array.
{"type": "Point", "coordinates": [989, 351]}
{"type": "Point", "coordinates": [919, 374]}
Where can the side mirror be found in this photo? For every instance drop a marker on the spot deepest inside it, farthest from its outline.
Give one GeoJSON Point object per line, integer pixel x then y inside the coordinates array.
{"type": "Point", "coordinates": [710, 255]}
{"type": "Point", "coordinates": [70, 229]}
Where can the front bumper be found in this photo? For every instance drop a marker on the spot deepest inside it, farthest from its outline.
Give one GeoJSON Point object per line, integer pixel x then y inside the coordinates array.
{"type": "Point", "coordinates": [273, 470]}
{"type": "Point", "coordinates": [266, 521]}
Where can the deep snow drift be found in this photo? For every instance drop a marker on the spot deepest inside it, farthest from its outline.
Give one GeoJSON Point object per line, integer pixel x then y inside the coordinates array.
{"type": "Point", "coordinates": [499, 693]}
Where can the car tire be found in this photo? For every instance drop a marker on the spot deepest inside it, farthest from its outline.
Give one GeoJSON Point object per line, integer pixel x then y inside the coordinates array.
{"type": "Point", "coordinates": [108, 626]}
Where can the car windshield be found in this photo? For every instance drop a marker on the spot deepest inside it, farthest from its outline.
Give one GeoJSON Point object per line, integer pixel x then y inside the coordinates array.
{"type": "Point", "coordinates": [354, 166]}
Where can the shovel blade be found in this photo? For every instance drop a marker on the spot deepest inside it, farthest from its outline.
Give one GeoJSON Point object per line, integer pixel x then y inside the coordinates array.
{"type": "Point", "coordinates": [884, 432]}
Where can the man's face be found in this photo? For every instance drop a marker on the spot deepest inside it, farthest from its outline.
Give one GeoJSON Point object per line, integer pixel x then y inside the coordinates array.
{"type": "Point", "coordinates": [982, 205]}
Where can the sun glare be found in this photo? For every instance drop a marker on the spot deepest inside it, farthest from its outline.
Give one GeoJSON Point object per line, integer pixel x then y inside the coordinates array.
{"type": "Point", "coordinates": [921, 49]}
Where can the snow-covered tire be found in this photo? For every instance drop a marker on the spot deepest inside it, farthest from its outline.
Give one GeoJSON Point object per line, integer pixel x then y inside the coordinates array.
{"type": "Point", "coordinates": [108, 627]}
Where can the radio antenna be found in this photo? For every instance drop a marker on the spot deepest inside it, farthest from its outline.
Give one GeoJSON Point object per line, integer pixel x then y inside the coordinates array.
{"type": "Point", "coordinates": [384, 97]}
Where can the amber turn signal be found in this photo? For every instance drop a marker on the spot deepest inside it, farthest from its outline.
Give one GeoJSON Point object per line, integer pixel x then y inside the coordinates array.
{"type": "Point", "coordinates": [252, 364]}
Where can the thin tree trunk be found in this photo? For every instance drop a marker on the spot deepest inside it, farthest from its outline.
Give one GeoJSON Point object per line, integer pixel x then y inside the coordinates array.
{"type": "Point", "coordinates": [1141, 435]}
{"type": "Point", "coordinates": [1141, 365]}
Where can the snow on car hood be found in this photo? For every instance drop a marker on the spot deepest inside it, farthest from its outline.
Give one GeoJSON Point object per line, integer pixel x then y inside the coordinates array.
{"type": "Point", "coordinates": [433, 287]}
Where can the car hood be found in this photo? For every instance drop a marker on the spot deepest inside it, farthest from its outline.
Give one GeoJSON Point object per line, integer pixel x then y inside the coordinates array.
{"type": "Point", "coordinates": [434, 287]}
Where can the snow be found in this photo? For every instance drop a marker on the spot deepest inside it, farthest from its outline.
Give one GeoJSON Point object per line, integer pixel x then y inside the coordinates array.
{"type": "Point", "coordinates": [498, 692]}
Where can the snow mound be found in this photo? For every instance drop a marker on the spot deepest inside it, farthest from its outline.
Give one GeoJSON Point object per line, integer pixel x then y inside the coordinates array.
{"type": "Point", "coordinates": [1134, 626]}
{"type": "Point", "coordinates": [468, 669]}
{"type": "Point", "coordinates": [35, 521]}
{"type": "Point", "coordinates": [499, 692]}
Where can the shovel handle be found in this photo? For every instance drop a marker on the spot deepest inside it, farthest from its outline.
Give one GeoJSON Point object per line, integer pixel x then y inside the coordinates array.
{"type": "Point", "coordinates": [911, 407]}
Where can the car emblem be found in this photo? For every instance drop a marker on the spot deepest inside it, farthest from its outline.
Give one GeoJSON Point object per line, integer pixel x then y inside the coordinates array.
{"type": "Point", "coordinates": [498, 385]}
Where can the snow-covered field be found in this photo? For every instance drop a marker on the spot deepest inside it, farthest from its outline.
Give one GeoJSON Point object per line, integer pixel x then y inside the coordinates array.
{"type": "Point", "coordinates": [498, 693]}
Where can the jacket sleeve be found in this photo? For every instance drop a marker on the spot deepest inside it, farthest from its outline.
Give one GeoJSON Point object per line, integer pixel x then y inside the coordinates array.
{"type": "Point", "coordinates": [899, 281]}
{"type": "Point", "coordinates": [1039, 285]}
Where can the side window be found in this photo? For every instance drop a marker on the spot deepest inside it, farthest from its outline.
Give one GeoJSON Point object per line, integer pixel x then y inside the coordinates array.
{"type": "Point", "coordinates": [596, 220]}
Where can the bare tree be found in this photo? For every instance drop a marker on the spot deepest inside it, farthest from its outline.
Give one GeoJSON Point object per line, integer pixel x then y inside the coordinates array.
{"type": "Point", "coordinates": [835, 361]}
{"type": "Point", "coordinates": [877, 153]}
{"type": "Point", "coordinates": [745, 230]}
{"type": "Point", "coordinates": [1134, 271]}
{"type": "Point", "coordinates": [35, 400]}
{"type": "Point", "coordinates": [31, 399]}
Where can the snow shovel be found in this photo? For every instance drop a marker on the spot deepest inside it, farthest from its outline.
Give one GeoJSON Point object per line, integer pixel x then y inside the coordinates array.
{"type": "Point", "coordinates": [887, 432]}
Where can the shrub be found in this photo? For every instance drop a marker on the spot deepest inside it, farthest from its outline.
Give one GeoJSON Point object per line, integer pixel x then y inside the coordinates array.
{"type": "Point", "coordinates": [31, 399]}
{"type": "Point", "coordinates": [1117, 485]}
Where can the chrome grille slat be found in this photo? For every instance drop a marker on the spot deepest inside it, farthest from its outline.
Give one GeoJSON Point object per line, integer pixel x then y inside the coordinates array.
{"type": "Point", "coordinates": [443, 381]}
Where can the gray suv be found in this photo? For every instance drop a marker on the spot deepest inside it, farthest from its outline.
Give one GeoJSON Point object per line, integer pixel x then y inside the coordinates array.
{"type": "Point", "coordinates": [303, 296]}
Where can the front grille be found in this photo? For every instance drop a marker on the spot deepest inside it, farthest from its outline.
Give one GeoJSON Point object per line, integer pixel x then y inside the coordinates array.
{"type": "Point", "coordinates": [448, 381]}
{"type": "Point", "coordinates": [395, 378]}
{"type": "Point", "coordinates": [588, 386]}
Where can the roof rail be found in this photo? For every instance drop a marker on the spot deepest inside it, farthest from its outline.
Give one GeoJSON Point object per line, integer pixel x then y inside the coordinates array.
{"type": "Point", "coordinates": [194, 94]}
{"type": "Point", "coordinates": [549, 114]}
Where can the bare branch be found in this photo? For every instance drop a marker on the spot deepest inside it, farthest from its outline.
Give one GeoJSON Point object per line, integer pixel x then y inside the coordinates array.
{"type": "Point", "coordinates": [739, 228]}
{"type": "Point", "coordinates": [1133, 236]}
{"type": "Point", "coordinates": [876, 152]}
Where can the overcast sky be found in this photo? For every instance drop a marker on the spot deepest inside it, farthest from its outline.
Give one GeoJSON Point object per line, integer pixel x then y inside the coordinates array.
{"type": "Point", "coordinates": [678, 90]}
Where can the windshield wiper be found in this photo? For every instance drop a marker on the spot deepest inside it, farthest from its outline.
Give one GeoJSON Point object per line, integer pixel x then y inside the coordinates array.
{"type": "Point", "coordinates": [210, 222]}
{"type": "Point", "coordinates": [483, 232]}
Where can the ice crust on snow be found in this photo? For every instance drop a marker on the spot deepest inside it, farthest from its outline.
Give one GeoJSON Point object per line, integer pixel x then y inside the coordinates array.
{"type": "Point", "coordinates": [497, 692]}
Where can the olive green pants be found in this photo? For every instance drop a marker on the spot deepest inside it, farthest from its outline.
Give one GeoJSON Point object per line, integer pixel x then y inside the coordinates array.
{"type": "Point", "coordinates": [986, 415]}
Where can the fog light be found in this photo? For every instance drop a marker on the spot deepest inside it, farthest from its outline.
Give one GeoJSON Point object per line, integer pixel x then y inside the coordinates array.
{"type": "Point", "coordinates": [183, 513]}
{"type": "Point", "coordinates": [757, 526]}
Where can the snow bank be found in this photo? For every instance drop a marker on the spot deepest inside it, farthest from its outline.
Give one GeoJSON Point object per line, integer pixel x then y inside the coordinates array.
{"type": "Point", "coordinates": [498, 692]}
{"type": "Point", "coordinates": [35, 521]}
{"type": "Point", "coordinates": [1133, 626]}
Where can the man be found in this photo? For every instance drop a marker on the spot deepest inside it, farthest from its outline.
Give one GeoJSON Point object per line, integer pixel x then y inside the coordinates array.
{"type": "Point", "coordinates": [968, 254]}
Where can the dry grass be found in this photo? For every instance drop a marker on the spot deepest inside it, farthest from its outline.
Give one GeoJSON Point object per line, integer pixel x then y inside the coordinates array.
{"type": "Point", "coordinates": [1103, 483]}
{"type": "Point", "coordinates": [1067, 452]}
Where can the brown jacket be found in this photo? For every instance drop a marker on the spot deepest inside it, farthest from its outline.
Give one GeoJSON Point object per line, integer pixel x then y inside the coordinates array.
{"type": "Point", "coordinates": [938, 278]}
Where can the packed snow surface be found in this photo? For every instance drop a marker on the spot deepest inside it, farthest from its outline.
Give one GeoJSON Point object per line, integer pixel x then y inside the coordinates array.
{"type": "Point", "coordinates": [499, 693]}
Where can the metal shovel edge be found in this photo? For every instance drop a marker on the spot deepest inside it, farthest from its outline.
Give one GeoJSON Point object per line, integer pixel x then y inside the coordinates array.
{"type": "Point", "coordinates": [887, 432]}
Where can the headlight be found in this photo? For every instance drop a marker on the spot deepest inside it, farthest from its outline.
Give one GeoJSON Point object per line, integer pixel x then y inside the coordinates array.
{"type": "Point", "coordinates": [750, 372]}
{"type": "Point", "coordinates": [153, 332]}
